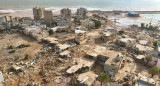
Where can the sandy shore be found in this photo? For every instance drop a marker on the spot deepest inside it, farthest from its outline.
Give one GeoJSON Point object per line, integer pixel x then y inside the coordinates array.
{"type": "Point", "coordinates": [24, 14]}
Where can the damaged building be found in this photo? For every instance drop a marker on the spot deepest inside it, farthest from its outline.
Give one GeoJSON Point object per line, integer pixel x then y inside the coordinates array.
{"type": "Point", "coordinates": [38, 13]}
{"type": "Point", "coordinates": [80, 36]}
{"type": "Point", "coordinates": [108, 35]}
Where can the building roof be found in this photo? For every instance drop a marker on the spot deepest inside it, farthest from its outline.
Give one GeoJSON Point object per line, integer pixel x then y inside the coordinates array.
{"type": "Point", "coordinates": [146, 79]}
{"type": "Point", "coordinates": [87, 78]}
{"type": "Point", "coordinates": [82, 62]}
{"type": "Point", "coordinates": [16, 67]}
{"type": "Point", "coordinates": [127, 39]}
{"type": "Point", "coordinates": [66, 52]}
{"type": "Point", "coordinates": [143, 48]}
{"type": "Point", "coordinates": [63, 46]}
{"type": "Point", "coordinates": [1, 77]}
{"type": "Point", "coordinates": [143, 42]}
{"type": "Point", "coordinates": [79, 31]}
{"type": "Point", "coordinates": [106, 34]}
{"type": "Point", "coordinates": [140, 56]}
{"type": "Point", "coordinates": [51, 40]}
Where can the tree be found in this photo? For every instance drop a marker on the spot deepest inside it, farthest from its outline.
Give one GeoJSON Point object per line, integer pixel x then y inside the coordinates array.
{"type": "Point", "coordinates": [142, 25]}
{"type": "Point", "coordinates": [154, 70]}
{"type": "Point", "coordinates": [149, 58]}
{"type": "Point", "coordinates": [104, 78]}
{"type": "Point", "coordinates": [155, 43]}
{"type": "Point", "coordinates": [121, 32]}
{"type": "Point", "coordinates": [26, 57]}
{"type": "Point", "coordinates": [50, 32]}
{"type": "Point", "coordinates": [97, 23]}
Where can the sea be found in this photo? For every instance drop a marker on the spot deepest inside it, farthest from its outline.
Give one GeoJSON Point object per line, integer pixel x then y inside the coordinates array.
{"type": "Point", "coordinates": [105, 5]}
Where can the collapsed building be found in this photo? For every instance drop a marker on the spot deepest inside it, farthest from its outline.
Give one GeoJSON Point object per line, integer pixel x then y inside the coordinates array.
{"type": "Point", "coordinates": [126, 42]}
{"type": "Point", "coordinates": [80, 36]}
{"type": "Point", "coordinates": [88, 23]}
{"type": "Point", "coordinates": [87, 78]}
{"type": "Point", "coordinates": [61, 47]}
{"type": "Point", "coordinates": [108, 35]}
{"type": "Point", "coordinates": [35, 32]}
{"type": "Point", "coordinates": [145, 81]}
{"type": "Point", "coordinates": [143, 49]}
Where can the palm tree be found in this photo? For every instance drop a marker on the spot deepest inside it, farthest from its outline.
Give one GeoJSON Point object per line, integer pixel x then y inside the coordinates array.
{"type": "Point", "coordinates": [104, 78]}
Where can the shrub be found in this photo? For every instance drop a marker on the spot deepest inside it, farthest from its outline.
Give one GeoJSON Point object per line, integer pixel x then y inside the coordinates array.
{"type": "Point", "coordinates": [24, 45]}
{"type": "Point", "coordinates": [10, 47]}
{"type": "Point", "coordinates": [50, 32]}
{"type": "Point", "coordinates": [155, 43]}
{"type": "Point", "coordinates": [26, 57]}
{"type": "Point", "coordinates": [12, 51]}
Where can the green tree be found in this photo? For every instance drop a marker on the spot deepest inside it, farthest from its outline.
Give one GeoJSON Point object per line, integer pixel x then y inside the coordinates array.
{"type": "Point", "coordinates": [155, 43]}
{"type": "Point", "coordinates": [51, 32]}
{"type": "Point", "coordinates": [104, 78]}
{"type": "Point", "coordinates": [26, 57]}
{"type": "Point", "coordinates": [149, 58]}
{"type": "Point", "coordinates": [154, 70]}
{"type": "Point", "coordinates": [121, 32]}
{"type": "Point", "coordinates": [97, 23]}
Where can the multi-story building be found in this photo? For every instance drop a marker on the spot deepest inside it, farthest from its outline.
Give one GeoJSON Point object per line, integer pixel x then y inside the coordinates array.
{"type": "Point", "coordinates": [48, 16]}
{"type": "Point", "coordinates": [81, 12]}
{"type": "Point", "coordinates": [38, 13]}
{"type": "Point", "coordinates": [66, 13]}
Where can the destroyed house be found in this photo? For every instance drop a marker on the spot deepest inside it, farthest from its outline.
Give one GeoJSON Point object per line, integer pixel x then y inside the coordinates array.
{"type": "Point", "coordinates": [109, 60]}
{"type": "Point", "coordinates": [108, 34]}
{"type": "Point", "coordinates": [65, 53]}
{"type": "Point", "coordinates": [51, 40]}
{"type": "Point", "coordinates": [81, 63]}
{"type": "Point", "coordinates": [102, 59]}
{"type": "Point", "coordinates": [126, 42]}
{"type": "Point", "coordinates": [80, 37]}
{"type": "Point", "coordinates": [87, 79]}
{"type": "Point", "coordinates": [61, 47]}
{"type": "Point", "coordinates": [142, 48]}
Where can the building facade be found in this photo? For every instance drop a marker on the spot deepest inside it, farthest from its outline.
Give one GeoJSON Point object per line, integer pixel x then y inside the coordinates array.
{"type": "Point", "coordinates": [81, 12]}
{"type": "Point", "coordinates": [38, 13]}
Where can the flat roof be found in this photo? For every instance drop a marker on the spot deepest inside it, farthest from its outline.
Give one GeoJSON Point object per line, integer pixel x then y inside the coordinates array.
{"type": "Point", "coordinates": [146, 79]}
{"type": "Point", "coordinates": [51, 40]}
{"type": "Point", "coordinates": [143, 48]}
{"type": "Point", "coordinates": [126, 39]}
{"type": "Point", "coordinates": [79, 31]}
{"type": "Point", "coordinates": [16, 67]}
{"type": "Point", "coordinates": [140, 56]}
{"type": "Point", "coordinates": [1, 77]}
{"type": "Point", "coordinates": [63, 46]}
{"type": "Point", "coordinates": [87, 78]}
{"type": "Point", "coordinates": [107, 33]}
{"type": "Point", "coordinates": [66, 52]}
{"type": "Point", "coordinates": [82, 62]}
